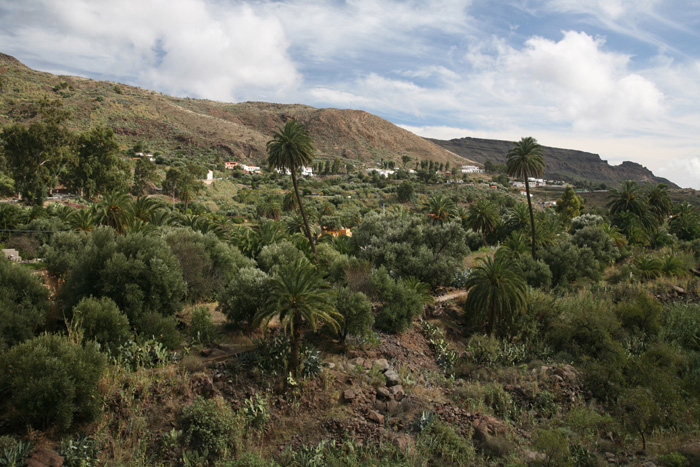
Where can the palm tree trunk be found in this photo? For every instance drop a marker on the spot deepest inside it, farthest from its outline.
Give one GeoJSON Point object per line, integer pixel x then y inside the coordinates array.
{"type": "Point", "coordinates": [303, 214]}
{"type": "Point", "coordinates": [296, 344]}
{"type": "Point", "coordinates": [532, 217]}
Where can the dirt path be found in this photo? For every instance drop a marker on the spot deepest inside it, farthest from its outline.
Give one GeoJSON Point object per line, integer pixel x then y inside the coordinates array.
{"type": "Point", "coordinates": [451, 296]}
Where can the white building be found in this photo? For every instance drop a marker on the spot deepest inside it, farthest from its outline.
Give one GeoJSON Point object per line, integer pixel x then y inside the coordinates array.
{"type": "Point", "coordinates": [471, 169]}
{"type": "Point", "coordinates": [305, 171]}
{"type": "Point", "coordinates": [382, 172]}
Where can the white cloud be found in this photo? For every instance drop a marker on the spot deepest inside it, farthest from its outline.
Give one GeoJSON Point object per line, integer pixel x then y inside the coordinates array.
{"type": "Point", "coordinates": [188, 47]}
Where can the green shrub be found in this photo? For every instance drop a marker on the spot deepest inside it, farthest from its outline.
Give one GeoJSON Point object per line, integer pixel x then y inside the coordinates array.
{"type": "Point", "coordinates": [161, 328]}
{"type": "Point", "coordinates": [400, 302]}
{"type": "Point", "coordinates": [673, 459]}
{"type": "Point", "coordinates": [640, 314]}
{"type": "Point", "coordinates": [441, 445]}
{"type": "Point", "coordinates": [23, 303]}
{"type": "Point", "coordinates": [554, 445]}
{"type": "Point", "coordinates": [211, 425]}
{"type": "Point", "coordinates": [202, 328]}
{"type": "Point", "coordinates": [79, 451]}
{"type": "Point", "coordinates": [101, 320]}
{"type": "Point", "coordinates": [244, 296]}
{"type": "Point", "coordinates": [536, 273]}
{"type": "Point", "coordinates": [356, 311]}
{"type": "Point", "coordinates": [50, 380]}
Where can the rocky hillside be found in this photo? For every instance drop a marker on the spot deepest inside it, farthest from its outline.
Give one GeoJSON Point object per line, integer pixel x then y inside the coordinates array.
{"type": "Point", "coordinates": [566, 164]}
{"type": "Point", "coordinates": [195, 127]}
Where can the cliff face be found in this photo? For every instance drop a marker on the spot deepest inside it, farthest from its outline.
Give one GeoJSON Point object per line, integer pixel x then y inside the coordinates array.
{"type": "Point", "coordinates": [196, 126]}
{"type": "Point", "coordinates": [565, 164]}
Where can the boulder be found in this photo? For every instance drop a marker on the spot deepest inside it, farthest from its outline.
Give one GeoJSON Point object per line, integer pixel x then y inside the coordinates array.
{"type": "Point", "coordinates": [392, 378]}
{"type": "Point", "coordinates": [375, 417]}
{"type": "Point", "coordinates": [384, 393]}
{"type": "Point", "coordinates": [398, 392]}
{"type": "Point", "coordinates": [381, 363]}
{"type": "Point", "coordinates": [349, 395]}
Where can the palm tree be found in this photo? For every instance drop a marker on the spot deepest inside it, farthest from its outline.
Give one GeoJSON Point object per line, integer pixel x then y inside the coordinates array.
{"type": "Point", "coordinates": [495, 289]}
{"type": "Point", "coordinates": [483, 217]}
{"type": "Point", "coordinates": [627, 199]}
{"type": "Point", "coordinates": [289, 149]}
{"type": "Point", "coordinates": [116, 210]}
{"type": "Point", "coordinates": [440, 207]}
{"type": "Point", "coordinates": [659, 202]}
{"type": "Point", "coordinates": [299, 295]}
{"type": "Point", "coordinates": [526, 159]}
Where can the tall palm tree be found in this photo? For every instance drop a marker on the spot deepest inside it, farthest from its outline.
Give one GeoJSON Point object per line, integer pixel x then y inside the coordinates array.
{"type": "Point", "coordinates": [526, 159]}
{"type": "Point", "coordinates": [628, 198]}
{"type": "Point", "coordinates": [495, 290]}
{"type": "Point", "coordinates": [299, 295]}
{"type": "Point", "coordinates": [659, 202]}
{"type": "Point", "coordinates": [116, 211]}
{"type": "Point", "coordinates": [440, 208]}
{"type": "Point", "coordinates": [483, 216]}
{"type": "Point", "coordinates": [289, 149]}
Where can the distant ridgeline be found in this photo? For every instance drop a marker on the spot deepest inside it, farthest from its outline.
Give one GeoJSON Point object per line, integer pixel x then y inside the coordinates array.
{"type": "Point", "coordinates": [564, 164]}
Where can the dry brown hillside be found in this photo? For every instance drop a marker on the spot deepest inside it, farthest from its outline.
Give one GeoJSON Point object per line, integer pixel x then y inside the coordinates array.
{"type": "Point", "coordinates": [195, 126]}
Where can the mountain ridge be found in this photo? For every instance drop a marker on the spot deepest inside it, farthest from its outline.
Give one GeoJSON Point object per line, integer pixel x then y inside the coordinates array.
{"type": "Point", "coordinates": [240, 131]}
{"type": "Point", "coordinates": [566, 164]}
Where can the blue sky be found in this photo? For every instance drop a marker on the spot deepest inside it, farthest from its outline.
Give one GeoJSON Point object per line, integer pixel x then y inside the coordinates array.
{"type": "Point", "coordinates": [620, 78]}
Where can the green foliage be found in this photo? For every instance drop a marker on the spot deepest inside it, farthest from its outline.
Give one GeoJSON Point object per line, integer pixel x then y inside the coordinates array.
{"type": "Point", "coordinates": [403, 244]}
{"type": "Point", "coordinates": [299, 295]}
{"type": "Point", "coordinates": [23, 303]}
{"type": "Point", "coordinates": [79, 451]}
{"type": "Point", "coordinates": [62, 252]}
{"type": "Point", "coordinates": [255, 410]}
{"type": "Point", "coordinates": [441, 445]}
{"type": "Point", "coordinates": [536, 273]}
{"type": "Point", "coordinates": [147, 354]}
{"type": "Point", "coordinates": [50, 380]}
{"type": "Point", "coordinates": [138, 272]}
{"type": "Point", "coordinates": [673, 459]}
{"type": "Point", "coordinates": [554, 445]}
{"type": "Point", "coordinates": [444, 356]}
{"type": "Point", "coordinates": [102, 321]}
{"type": "Point", "coordinates": [639, 411]}
{"type": "Point", "coordinates": [483, 216]}
{"type": "Point", "coordinates": [208, 264]}
{"type": "Point", "coordinates": [681, 325]}
{"type": "Point", "coordinates": [152, 325]}
{"type": "Point", "coordinates": [569, 262]}
{"type": "Point", "coordinates": [405, 191]}
{"type": "Point", "coordinates": [210, 425]}
{"type": "Point", "coordinates": [496, 293]}
{"type": "Point", "coordinates": [244, 296]}
{"type": "Point", "coordinates": [569, 205]}
{"type": "Point", "coordinates": [273, 256]}
{"type": "Point", "coordinates": [202, 329]}
{"type": "Point", "coordinates": [400, 302]}
{"type": "Point", "coordinates": [14, 453]}
{"type": "Point", "coordinates": [640, 314]}
{"type": "Point", "coordinates": [97, 167]}
{"type": "Point", "coordinates": [356, 311]}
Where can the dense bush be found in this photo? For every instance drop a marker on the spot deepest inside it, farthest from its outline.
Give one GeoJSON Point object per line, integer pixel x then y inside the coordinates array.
{"type": "Point", "coordinates": [400, 302]}
{"type": "Point", "coordinates": [244, 296]}
{"type": "Point", "coordinates": [51, 380]}
{"type": "Point", "coordinates": [102, 321]}
{"type": "Point", "coordinates": [23, 303]}
{"type": "Point", "coordinates": [536, 273]}
{"type": "Point", "coordinates": [569, 262]}
{"type": "Point", "coordinates": [202, 328]}
{"type": "Point", "coordinates": [138, 272]}
{"type": "Point", "coordinates": [441, 445]}
{"type": "Point", "coordinates": [152, 325]}
{"type": "Point", "coordinates": [356, 311]}
{"type": "Point", "coordinates": [211, 425]}
{"type": "Point", "coordinates": [63, 251]}
{"type": "Point", "coordinates": [403, 244]}
{"type": "Point", "coordinates": [207, 263]}
{"type": "Point", "coordinates": [273, 256]}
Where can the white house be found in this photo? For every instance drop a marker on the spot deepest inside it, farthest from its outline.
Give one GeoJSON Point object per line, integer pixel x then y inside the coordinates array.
{"type": "Point", "coordinates": [471, 169]}
{"type": "Point", "coordinates": [210, 175]}
{"type": "Point", "coordinates": [382, 172]}
{"type": "Point", "coordinates": [305, 171]}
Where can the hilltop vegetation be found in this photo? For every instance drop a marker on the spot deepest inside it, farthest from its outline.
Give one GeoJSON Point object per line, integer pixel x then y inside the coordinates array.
{"type": "Point", "coordinates": [150, 350]}
{"type": "Point", "coordinates": [262, 319]}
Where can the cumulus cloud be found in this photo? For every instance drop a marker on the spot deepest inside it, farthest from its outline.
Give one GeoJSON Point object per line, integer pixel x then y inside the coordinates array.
{"type": "Point", "coordinates": [188, 47]}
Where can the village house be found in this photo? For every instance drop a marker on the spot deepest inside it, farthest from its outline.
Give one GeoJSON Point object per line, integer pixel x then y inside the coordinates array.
{"type": "Point", "coordinates": [471, 169]}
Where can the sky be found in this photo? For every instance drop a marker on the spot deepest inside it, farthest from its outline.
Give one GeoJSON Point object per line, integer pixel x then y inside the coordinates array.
{"type": "Point", "coordinates": [619, 78]}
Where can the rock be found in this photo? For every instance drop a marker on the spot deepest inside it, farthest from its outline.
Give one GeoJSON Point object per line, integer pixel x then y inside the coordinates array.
{"type": "Point", "coordinates": [357, 361]}
{"type": "Point", "coordinates": [481, 431]}
{"type": "Point", "coordinates": [679, 290]}
{"type": "Point", "coordinates": [534, 457]}
{"type": "Point", "coordinates": [367, 365]}
{"type": "Point", "coordinates": [392, 378]}
{"type": "Point", "coordinates": [398, 392]}
{"type": "Point", "coordinates": [391, 405]}
{"type": "Point", "coordinates": [349, 395]}
{"type": "Point", "coordinates": [384, 393]}
{"type": "Point", "coordinates": [376, 417]}
{"type": "Point", "coordinates": [403, 442]}
{"type": "Point", "coordinates": [691, 452]}
{"type": "Point", "coordinates": [45, 458]}
{"type": "Point", "coordinates": [330, 365]}
{"type": "Point", "coordinates": [648, 464]}
{"type": "Point", "coordinates": [381, 363]}
{"type": "Point", "coordinates": [206, 352]}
